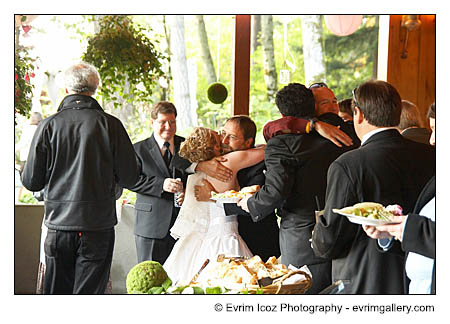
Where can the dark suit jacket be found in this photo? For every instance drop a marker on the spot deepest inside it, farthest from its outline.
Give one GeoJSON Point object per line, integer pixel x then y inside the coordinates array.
{"type": "Point", "coordinates": [155, 211]}
{"type": "Point", "coordinates": [419, 235]}
{"type": "Point", "coordinates": [416, 134]}
{"type": "Point", "coordinates": [296, 173]}
{"type": "Point", "coordinates": [261, 237]}
{"type": "Point", "coordinates": [387, 169]}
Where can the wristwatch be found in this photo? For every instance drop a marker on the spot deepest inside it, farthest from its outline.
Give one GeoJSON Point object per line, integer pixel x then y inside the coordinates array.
{"type": "Point", "coordinates": [312, 124]}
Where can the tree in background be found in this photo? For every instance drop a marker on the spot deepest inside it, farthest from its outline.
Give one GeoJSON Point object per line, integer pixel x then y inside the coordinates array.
{"type": "Point", "coordinates": [270, 70]}
{"type": "Point", "coordinates": [346, 62]}
{"type": "Point", "coordinates": [352, 60]}
{"type": "Point", "coordinates": [312, 48]}
{"type": "Point", "coordinates": [206, 53]}
{"type": "Point", "coordinates": [180, 75]}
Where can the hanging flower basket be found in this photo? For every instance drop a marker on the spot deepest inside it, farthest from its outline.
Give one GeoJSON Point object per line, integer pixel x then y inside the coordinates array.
{"type": "Point", "coordinates": [128, 63]}
{"type": "Point", "coordinates": [23, 89]}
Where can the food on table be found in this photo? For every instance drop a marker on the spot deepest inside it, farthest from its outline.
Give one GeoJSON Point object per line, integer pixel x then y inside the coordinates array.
{"type": "Point", "coordinates": [246, 272]}
{"type": "Point", "coordinates": [236, 194]}
{"type": "Point", "coordinates": [147, 277]}
{"type": "Point", "coordinates": [372, 210]}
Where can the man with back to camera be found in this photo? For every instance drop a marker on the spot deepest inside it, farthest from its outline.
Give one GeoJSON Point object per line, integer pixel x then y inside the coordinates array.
{"type": "Point", "coordinates": [296, 174]}
{"type": "Point", "coordinates": [157, 183]}
{"type": "Point", "coordinates": [325, 101]}
{"type": "Point", "coordinates": [77, 156]}
{"type": "Point", "coordinates": [386, 169]}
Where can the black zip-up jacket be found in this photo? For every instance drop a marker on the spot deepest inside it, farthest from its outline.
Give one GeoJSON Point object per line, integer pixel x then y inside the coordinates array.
{"type": "Point", "coordinates": [77, 156]}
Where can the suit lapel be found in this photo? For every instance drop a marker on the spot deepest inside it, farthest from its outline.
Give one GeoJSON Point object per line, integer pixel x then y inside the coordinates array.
{"type": "Point", "coordinates": [155, 152]}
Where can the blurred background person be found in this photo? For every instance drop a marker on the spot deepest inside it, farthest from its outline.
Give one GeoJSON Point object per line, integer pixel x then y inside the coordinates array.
{"type": "Point", "coordinates": [411, 125]}
{"type": "Point", "coordinates": [345, 110]}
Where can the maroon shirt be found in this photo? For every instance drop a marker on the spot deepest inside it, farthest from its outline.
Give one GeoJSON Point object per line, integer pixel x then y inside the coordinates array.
{"type": "Point", "coordinates": [285, 125]}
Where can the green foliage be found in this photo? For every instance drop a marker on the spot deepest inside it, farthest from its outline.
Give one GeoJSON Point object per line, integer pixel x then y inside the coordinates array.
{"type": "Point", "coordinates": [28, 198]}
{"type": "Point", "coordinates": [23, 89]}
{"type": "Point", "coordinates": [128, 197]}
{"type": "Point", "coordinates": [262, 111]}
{"type": "Point", "coordinates": [128, 62]}
{"type": "Point", "coordinates": [351, 60]}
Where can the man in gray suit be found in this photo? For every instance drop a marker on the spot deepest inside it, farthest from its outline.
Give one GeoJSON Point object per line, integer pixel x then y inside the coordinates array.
{"type": "Point", "coordinates": [157, 184]}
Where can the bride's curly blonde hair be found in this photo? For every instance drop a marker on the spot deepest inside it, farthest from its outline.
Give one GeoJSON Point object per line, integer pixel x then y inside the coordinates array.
{"type": "Point", "coordinates": [199, 145]}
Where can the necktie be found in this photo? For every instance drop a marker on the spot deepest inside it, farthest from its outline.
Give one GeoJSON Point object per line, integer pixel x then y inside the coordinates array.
{"type": "Point", "coordinates": [167, 155]}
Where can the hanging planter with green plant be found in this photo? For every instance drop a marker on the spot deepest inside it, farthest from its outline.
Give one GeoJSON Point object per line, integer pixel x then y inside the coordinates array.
{"type": "Point", "coordinates": [128, 63]}
{"type": "Point", "coordinates": [23, 89]}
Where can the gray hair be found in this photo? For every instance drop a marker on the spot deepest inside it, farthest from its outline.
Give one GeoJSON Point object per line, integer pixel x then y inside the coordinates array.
{"type": "Point", "coordinates": [82, 78]}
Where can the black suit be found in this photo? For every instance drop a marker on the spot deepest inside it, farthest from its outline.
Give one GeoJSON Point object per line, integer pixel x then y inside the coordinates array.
{"type": "Point", "coordinates": [296, 173]}
{"type": "Point", "coordinates": [387, 169]}
{"type": "Point", "coordinates": [155, 210]}
{"type": "Point", "coordinates": [419, 235]}
{"type": "Point", "coordinates": [261, 237]}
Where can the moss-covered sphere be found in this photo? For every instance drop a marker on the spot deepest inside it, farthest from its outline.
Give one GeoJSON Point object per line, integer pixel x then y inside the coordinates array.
{"type": "Point", "coordinates": [217, 93]}
{"type": "Point", "coordinates": [145, 275]}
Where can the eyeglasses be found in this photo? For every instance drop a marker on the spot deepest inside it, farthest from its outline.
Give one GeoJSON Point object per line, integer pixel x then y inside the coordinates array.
{"type": "Point", "coordinates": [224, 134]}
{"type": "Point", "coordinates": [163, 122]}
{"type": "Point", "coordinates": [354, 97]}
{"type": "Point", "coordinates": [318, 85]}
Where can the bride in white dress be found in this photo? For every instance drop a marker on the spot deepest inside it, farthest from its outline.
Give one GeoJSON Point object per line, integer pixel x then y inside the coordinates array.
{"type": "Point", "coordinates": [202, 229]}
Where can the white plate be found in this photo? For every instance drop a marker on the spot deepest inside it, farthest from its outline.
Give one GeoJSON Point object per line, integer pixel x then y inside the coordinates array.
{"type": "Point", "coordinates": [362, 220]}
{"type": "Point", "coordinates": [229, 200]}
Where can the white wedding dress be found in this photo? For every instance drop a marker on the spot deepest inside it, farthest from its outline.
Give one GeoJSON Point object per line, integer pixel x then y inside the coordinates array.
{"type": "Point", "coordinates": [203, 232]}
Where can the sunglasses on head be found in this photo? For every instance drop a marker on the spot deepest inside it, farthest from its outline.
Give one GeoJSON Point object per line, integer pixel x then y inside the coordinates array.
{"type": "Point", "coordinates": [354, 97]}
{"type": "Point", "coordinates": [318, 85]}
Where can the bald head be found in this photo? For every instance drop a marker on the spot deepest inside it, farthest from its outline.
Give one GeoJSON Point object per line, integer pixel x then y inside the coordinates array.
{"type": "Point", "coordinates": [325, 101]}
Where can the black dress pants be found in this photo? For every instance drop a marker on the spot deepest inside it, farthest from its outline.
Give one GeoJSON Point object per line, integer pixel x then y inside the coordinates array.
{"type": "Point", "coordinates": [77, 262]}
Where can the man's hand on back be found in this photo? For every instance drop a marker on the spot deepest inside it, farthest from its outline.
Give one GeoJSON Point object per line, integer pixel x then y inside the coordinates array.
{"type": "Point", "coordinates": [333, 133]}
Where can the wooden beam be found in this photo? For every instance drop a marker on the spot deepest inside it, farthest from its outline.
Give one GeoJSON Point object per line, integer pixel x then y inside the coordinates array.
{"type": "Point", "coordinates": [241, 66]}
{"type": "Point", "coordinates": [414, 76]}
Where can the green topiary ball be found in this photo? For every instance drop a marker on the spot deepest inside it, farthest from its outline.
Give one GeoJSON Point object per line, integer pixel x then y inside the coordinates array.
{"type": "Point", "coordinates": [217, 93]}
{"type": "Point", "coordinates": [144, 276]}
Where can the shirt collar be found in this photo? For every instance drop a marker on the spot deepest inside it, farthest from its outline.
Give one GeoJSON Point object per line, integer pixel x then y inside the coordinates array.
{"type": "Point", "coordinates": [373, 132]}
{"type": "Point", "coordinates": [160, 142]}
